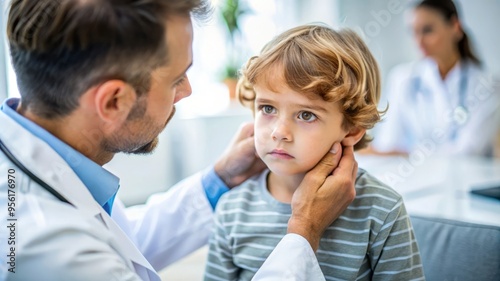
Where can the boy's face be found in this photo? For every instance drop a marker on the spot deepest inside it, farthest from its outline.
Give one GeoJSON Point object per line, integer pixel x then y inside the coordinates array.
{"type": "Point", "coordinates": [292, 131]}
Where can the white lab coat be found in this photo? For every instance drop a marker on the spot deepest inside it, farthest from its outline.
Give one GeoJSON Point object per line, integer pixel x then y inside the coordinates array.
{"type": "Point", "coordinates": [57, 241]}
{"type": "Point", "coordinates": [421, 107]}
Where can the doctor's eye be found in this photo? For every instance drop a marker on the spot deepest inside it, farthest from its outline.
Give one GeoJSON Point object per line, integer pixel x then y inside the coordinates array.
{"type": "Point", "coordinates": [180, 81]}
{"type": "Point", "coordinates": [428, 29]}
{"type": "Point", "coordinates": [307, 116]}
{"type": "Point", "coordinates": [267, 109]}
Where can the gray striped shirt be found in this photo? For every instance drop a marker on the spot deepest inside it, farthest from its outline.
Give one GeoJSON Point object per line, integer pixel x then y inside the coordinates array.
{"type": "Point", "coordinates": [372, 240]}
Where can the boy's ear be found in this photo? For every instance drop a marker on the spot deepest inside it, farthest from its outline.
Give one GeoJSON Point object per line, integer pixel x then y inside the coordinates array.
{"type": "Point", "coordinates": [353, 136]}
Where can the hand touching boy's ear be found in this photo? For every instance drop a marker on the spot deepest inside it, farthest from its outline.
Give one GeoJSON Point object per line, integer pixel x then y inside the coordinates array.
{"type": "Point", "coordinates": [353, 136]}
{"type": "Point", "coordinates": [325, 192]}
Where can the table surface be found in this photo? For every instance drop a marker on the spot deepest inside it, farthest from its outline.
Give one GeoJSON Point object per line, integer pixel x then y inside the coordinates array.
{"type": "Point", "coordinates": [440, 186]}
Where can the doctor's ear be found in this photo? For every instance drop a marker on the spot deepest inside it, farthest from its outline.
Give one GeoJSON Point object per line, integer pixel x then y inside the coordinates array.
{"type": "Point", "coordinates": [353, 136]}
{"type": "Point", "coordinates": [113, 101]}
{"type": "Point", "coordinates": [457, 28]}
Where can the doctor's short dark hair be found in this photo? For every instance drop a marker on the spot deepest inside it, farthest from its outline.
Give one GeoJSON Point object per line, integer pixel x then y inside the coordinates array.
{"type": "Point", "coordinates": [320, 61]}
{"type": "Point", "coordinates": [62, 48]}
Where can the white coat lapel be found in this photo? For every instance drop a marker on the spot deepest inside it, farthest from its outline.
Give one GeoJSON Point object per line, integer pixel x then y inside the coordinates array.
{"type": "Point", "coordinates": [439, 105]}
{"type": "Point", "coordinates": [428, 98]}
{"type": "Point", "coordinates": [128, 248]}
{"type": "Point", "coordinates": [38, 157]}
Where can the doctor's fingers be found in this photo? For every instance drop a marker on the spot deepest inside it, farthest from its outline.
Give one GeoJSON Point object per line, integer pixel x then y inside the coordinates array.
{"type": "Point", "coordinates": [245, 131]}
{"type": "Point", "coordinates": [343, 178]}
{"type": "Point", "coordinates": [348, 166]}
{"type": "Point", "coordinates": [317, 175]}
{"type": "Point", "coordinates": [338, 190]}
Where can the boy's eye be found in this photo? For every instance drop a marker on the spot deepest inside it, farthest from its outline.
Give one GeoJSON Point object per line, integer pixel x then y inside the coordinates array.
{"type": "Point", "coordinates": [267, 109]}
{"type": "Point", "coordinates": [307, 116]}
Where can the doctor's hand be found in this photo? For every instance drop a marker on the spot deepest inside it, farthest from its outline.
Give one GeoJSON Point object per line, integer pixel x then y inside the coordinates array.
{"type": "Point", "coordinates": [325, 192]}
{"type": "Point", "coordinates": [239, 161]}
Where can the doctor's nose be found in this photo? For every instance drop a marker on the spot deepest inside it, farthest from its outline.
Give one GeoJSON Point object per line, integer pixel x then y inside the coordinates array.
{"type": "Point", "coordinates": [281, 132]}
{"type": "Point", "coordinates": [184, 90]}
{"type": "Point", "coordinates": [419, 39]}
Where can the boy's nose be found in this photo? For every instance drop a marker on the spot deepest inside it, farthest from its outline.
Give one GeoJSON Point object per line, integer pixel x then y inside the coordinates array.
{"type": "Point", "coordinates": [281, 132]}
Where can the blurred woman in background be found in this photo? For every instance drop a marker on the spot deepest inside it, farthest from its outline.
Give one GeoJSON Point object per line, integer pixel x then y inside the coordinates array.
{"type": "Point", "coordinates": [443, 103]}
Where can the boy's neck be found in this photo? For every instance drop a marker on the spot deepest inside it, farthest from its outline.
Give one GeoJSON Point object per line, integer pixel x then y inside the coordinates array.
{"type": "Point", "coordinates": [283, 187]}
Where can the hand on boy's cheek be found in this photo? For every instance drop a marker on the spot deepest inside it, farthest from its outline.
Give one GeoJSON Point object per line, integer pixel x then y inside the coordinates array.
{"type": "Point", "coordinates": [324, 194]}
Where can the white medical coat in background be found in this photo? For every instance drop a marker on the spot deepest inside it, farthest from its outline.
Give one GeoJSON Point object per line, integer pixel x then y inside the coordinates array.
{"type": "Point", "coordinates": [58, 241]}
{"type": "Point", "coordinates": [421, 105]}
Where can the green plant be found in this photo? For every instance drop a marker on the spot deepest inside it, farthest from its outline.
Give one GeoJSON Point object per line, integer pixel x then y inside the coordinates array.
{"type": "Point", "coordinates": [230, 71]}
{"type": "Point", "coordinates": [231, 11]}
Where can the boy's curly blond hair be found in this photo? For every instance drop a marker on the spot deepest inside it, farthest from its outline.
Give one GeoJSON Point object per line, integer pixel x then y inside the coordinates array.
{"type": "Point", "coordinates": [317, 60]}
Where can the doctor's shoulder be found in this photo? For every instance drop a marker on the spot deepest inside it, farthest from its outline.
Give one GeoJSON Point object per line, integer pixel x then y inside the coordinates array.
{"type": "Point", "coordinates": [54, 241]}
{"type": "Point", "coordinates": [482, 81]}
{"type": "Point", "coordinates": [483, 95]}
{"type": "Point", "coordinates": [396, 84]}
{"type": "Point", "coordinates": [413, 69]}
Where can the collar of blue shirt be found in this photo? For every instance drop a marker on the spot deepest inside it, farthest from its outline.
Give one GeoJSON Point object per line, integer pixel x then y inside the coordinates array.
{"type": "Point", "coordinates": [102, 184]}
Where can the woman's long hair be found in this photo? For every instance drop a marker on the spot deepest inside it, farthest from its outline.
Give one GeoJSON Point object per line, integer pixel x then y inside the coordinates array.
{"type": "Point", "coordinates": [448, 9]}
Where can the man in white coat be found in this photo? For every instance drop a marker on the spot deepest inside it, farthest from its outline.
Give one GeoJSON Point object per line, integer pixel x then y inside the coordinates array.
{"type": "Point", "coordinates": [101, 77]}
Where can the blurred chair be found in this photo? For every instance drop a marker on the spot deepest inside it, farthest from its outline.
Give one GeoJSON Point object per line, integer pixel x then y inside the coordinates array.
{"type": "Point", "coordinates": [453, 250]}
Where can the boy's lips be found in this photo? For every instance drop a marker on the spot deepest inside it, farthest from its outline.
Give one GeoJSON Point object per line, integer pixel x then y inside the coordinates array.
{"type": "Point", "coordinates": [280, 153]}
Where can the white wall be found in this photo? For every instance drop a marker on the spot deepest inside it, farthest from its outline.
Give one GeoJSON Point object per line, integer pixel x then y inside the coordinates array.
{"type": "Point", "coordinates": [389, 38]}
{"type": "Point", "coordinates": [309, 11]}
{"type": "Point", "coordinates": [3, 63]}
{"type": "Point", "coordinates": [482, 20]}
{"type": "Point", "coordinates": [382, 24]}
{"type": "Point", "coordinates": [199, 141]}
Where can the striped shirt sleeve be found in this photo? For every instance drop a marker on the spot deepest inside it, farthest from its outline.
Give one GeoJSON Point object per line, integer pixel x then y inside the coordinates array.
{"type": "Point", "coordinates": [394, 253]}
{"type": "Point", "coordinates": [220, 266]}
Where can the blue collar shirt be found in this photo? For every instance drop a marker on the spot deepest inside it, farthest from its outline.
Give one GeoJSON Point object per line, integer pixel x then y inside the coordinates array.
{"type": "Point", "coordinates": [102, 184]}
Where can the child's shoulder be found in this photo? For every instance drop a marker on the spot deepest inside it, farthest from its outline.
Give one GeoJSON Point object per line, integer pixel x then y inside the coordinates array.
{"type": "Point", "coordinates": [369, 187]}
{"type": "Point", "coordinates": [248, 190]}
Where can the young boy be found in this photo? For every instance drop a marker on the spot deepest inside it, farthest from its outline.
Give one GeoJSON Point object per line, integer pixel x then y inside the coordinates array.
{"type": "Point", "coordinates": [309, 88]}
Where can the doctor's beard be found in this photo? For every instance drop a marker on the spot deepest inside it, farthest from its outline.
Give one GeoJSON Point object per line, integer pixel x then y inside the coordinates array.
{"type": "Point", "coordinates": [132, 141]}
